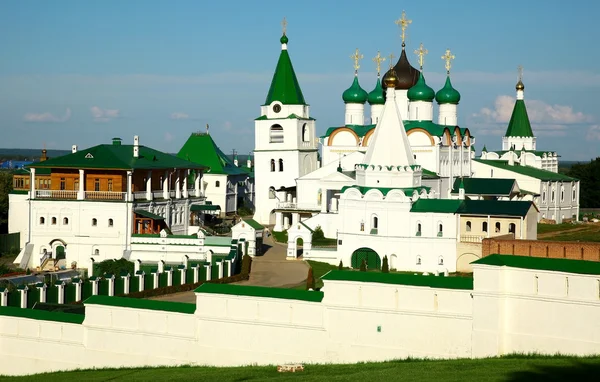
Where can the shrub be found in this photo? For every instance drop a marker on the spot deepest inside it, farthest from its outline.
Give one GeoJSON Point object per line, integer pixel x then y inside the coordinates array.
{"type": "Point", "coordinates": [116, 267]}
{"type": "Point", "coordinates": [341, 266]}
{"type": "Point", "coordinates": [318, 234]}
{"type": "Point", "coordinates": [310, 280]}
{"type": "Point", "coordinates": [385, 268]}
{"type": "Point", "coordinates": [363, 265]}
{"type": "Point", "coordinates": [246, 265]}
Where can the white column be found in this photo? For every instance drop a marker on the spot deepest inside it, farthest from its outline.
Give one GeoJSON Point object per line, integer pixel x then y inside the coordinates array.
{"type": "Point", "coordinates": [220, 266]}
{"type": "Point", "coordinates": [95, 286]}
{"type": "Point", "coordinates": [182, 278]}
{"type": "Point", "coordinates": [208, 269]}
{"type": "Point", "coordinates": [32, 184]}
{"type": "Point", "coordinates": [4, 297]}
{"type": "Point", "coordinates": [23, 293]}
{"type": "Point", "coordinates": [61, 292]}
{"type": "Point", "coordinates": [77, 289]}
{"type": "Point", "coordinates": [521, 229]}
{"type": "Point", "coordinates": [197, 177]}
{"type": "Point", "coordinates": [130, 185]}
{"type": "Point", "coordinates": [324, 200]}
{"type": "Point", "coordinates": [286, 222]}
{"type": "Point", "coordinates": [141, 277]}
{"type": "Point", "coordinates": [278, 222]}
{"type": "Point", "coordinates": [155, 276]}
{"type": "Point", "coordinates": [185, 184]}
{"type": "Point", "coordinates": [196, 269]}
{"type": "Point", "coordinates": [295, 218]}
{"type": "Point", "coordinates": [178, 185]}
{"type": "Point", "coordinates": [81, 191]}
{"type": "Point", "coordinates": [126, 287]}
{"type": "Point", "coordinates": [111, 285]}
{"type": "Point", "coordinates": [161, 266]}
{"type": "Point", "coordinates": [169, 273]}
{"type": "Point", "coordinates": [489, 228]}
{"type": "Point", "coordinates": [166, 185]}
{"type": "Point", "coordinates": [42, 290]}
{"type": "Point", "coordinates": [149, 186]}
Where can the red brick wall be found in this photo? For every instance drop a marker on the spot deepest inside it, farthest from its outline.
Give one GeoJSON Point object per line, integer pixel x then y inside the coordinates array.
{"type": "Point", "coordinates": [541, 248]}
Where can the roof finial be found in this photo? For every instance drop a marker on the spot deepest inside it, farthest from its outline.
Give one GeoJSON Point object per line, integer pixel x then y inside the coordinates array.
{"type": "Point", "coordinates": [378, 60]}
{"type": "Point", "coordinates": [207, 128]}
{"type": "Point", "coordinates": [520, 69]}
{"type": "Point", "coordinates": [421, 52]}
{"type": "Point", "coordinates": [356, 57]}
{"type": "Point", "coordinates": [448, 57]}
{"type": "Point", "coordinates": [403, 23]}
{"type": "Point", "coordinates": [391, 60]}
{"type": "Point", "coordinates": [520, 87]}
{"type": "Point", "coordinates": [284, 26]}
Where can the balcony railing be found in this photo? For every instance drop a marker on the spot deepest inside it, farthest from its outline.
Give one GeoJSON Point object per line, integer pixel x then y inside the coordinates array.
{"type": "Point", "coordinates": [55, 194]}
{"type": "Point", "coordinates": [104, 195]}
{"type": "Point", "coordinates": [287, 205]}
{"type": "Point", "coordinates": [471, 238]}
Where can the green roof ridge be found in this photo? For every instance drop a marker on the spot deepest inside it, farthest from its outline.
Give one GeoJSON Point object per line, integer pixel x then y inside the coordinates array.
{"type": "Point", "coordinates": [135, 303]}
{"type": "Point", "coordinates": [582, 267]}
{"type": "Point", "coordinates": [519, 125]}
{"type": "Point", "coordinates": [421, 91]}
{"type": "Point", "coordinates": [284, 86]}
{"type": "Point", "coordinates": [401, 279]}
{"type": "Point", "coordinates": [258, 291]}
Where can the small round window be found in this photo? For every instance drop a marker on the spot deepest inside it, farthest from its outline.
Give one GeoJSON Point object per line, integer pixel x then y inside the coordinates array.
{"type": "Point", "coordinates": [277, 108]}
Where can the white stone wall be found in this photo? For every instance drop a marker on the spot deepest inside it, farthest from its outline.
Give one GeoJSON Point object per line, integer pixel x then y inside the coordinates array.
{"type": "Point", "coordinates": [18, 216]}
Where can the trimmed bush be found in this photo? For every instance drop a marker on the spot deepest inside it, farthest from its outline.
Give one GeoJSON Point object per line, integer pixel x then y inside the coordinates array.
{"type": "Point", "coordinates": [318, 234]}
{"type": "Point", "coordinates": [341, 266]}
{"type": "Point", "coordinates": [115, 267]}
{"type": "Point", "coordinates": [246, 265]}
{"type": "Point", "coordinates": [385, 268]}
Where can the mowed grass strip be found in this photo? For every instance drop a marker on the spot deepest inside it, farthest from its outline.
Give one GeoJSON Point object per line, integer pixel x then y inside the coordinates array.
{"type": "Point", "coordinates": [511, 368]}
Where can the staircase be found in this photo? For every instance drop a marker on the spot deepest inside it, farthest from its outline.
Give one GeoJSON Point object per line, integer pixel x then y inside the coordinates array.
{"type": "Point", "coordinates": [47, 263]}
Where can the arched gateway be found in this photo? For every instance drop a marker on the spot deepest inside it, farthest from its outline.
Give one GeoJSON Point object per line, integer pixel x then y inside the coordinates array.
{"type": "Point", "coordinates": [372, 258]}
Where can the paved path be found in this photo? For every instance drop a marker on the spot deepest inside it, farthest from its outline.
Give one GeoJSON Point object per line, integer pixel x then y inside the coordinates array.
{"type": "Point", "coordinates": [271, 269]}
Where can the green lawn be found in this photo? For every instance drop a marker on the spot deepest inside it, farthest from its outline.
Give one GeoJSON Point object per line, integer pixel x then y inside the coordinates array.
{"type": "Point", "coordinates": [569, 232]}
{"type": "Point", "coordinates": [517, 368]}
{"type": "Point", "coordinates": [546, 228]}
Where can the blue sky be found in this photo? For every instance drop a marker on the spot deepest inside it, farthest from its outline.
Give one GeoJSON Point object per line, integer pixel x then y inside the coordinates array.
{"type": "Point", "coordinates": [81, 72]}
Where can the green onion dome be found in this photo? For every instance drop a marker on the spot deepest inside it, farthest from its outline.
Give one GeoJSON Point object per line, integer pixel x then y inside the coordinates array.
{"type": "Point", "coordinates": [447, 94]}
{"type": "Point", "coordinates": [284, 39]}
{"type": "Point", "coordinates": [421, 92]}
{"type": "Point", "coordinates": [355, 94]}
{"type": "Point", "coordinates": [376, 96]}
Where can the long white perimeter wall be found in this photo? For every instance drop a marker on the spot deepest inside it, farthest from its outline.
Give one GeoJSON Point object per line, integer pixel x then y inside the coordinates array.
{"type": "Point", "coordinates": [355, 321]}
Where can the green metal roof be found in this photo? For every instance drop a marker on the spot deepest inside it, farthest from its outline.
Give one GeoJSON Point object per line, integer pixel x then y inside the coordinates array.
{"type": "Point", "coordinates": [473, 207]}
{"type": "Point", "coordinates": [284, 86]}
{"type": "Point", "coordinates": [376, 96]}
{"type": "Point", "coordinates": [427, 174]}
{"type": "Point", "coordinates": [484, 186]}
{"type": "Point", "coordinates": [447, 94]}
{"type": "Point", "coordinates": [421, 91]}
{"type": "Point", "coordinates": [201, 148]}
{"type": "Point", "coordinates": [257, 291]}
{"type": "Point", "coordinates": [117, 157]}
{"type": "Point", "coordinates": [384, 190]}
{"type": "Point", "coordinates": [519, 125]}
{"type": "Point", "coordinates": [254, 224]}
{"type": "Point", "coordinates": [543, 175]}
{"type": "Point", "coordinates": [432, 128]}
{"type": "Point", "coordinates": [139, 303]}
{"type": "Point", "coordinates": [205, 207]}
{"type": "Point", "coordinates": [149, 215]}
{"type": "Point", "coordinates": [401, 279]}
{"type": "Point", "coordinates": [542, 263]}
{"type": "Point", "coordinates": [41, 171]}
{"type": "Point", "coordinates": [355, 94]}
{"type": "Point", "coordinates": [291, 116]}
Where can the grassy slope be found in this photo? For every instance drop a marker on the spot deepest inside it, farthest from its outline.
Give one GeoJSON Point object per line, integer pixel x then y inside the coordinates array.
{"type": "Point", "coordinates": [569, 232]}
{"type": "Point", "coordinates": [495, 369]}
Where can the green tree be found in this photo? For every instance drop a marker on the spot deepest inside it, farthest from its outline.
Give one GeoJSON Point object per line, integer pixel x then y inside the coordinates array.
{"type": "Point", "coordinates": [589, 186]}
{"type": "Point", "coordinates": [6, 183]}
{"type": "Point", "coordinates": [363, 265]}
{"type": "Point", "coordinates": [341, 266]}
{"type": "Point", "coordinates": [318, 234]}
{"type": "Point", "coordinates": [385, 268]}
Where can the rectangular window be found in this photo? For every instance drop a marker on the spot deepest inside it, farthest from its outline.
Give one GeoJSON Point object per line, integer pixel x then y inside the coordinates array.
{"type": "Point", "coordinates": [76, 185]}
{"type": "Point", "coordinates": [110, 185]}
{"type": "Point", "coordinates": [63, 184]}
{"type": "Point", "coordinates": [96, 184]}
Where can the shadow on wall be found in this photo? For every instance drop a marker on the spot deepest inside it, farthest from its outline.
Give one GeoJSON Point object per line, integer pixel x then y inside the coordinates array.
{"type": "Point", "coordinates": [573, 370]}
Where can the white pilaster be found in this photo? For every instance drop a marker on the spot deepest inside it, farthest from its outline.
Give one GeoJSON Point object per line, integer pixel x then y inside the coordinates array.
{"type": "Point", "coordinates": [4, 297]}
{"type": "Point", "coordinates": [81, 190]}
{"type": "Point", "coordinates": [169, 273]}
{"type": "Point", "coordinates": [220, 266]}
{"type": "Point", "coordinates": [178, 185]}
{"type": "Point", "coordinates": [185, 184]}
{"type": "Point", "coordinates": [141, 276]}
{"type": "Point", "coordinates": [197, 177]}
{"type": "Point", "coordinates": [61, 292]}
{"type": "Point", "coordinates": [23, 293]}
{"type": "Point", "coordinates": [278, 222]}
{"type": "Point", "coordinates": [42, 289]}
{"type": "Point", "coordinates": [376, 113]}
{"type": "Point", "coordinates": [208, 269]}
{"type": "Point", "coordinates": [149, 185]}
{"type": "Point", "coordinates": [196, 270]}
{"type": "Point", "coordinates": [32, 184]}
{"type": "Point", "coordinates": [130, 185]}
{"type": "Point", "coordinates": [78, 291]}
{"type": "Point", "coordinates": [166, 185]}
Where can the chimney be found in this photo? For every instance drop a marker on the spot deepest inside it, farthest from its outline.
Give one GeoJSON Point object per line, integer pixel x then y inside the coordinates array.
{"type": "Point", "coordinates": [249, 162]}
{"type": "Point", "coordinates": [136, 146]}
{"type": "Point", "coordinates": [73, 149]}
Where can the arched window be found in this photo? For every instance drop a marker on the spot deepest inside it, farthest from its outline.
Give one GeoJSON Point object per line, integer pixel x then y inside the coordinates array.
{"type": "Point", "coordinates": [552, 197]}
{"type": "Point", "coordinates": [498, 226]}
{"type": "Point", "coordinates": [280, 165]}
{"type": "Point", "coordinates": [276, 134]}
{"type": "Point", "coordinates": [42, 220]}
{"type": "Point", "coordinates": [468, 226]}
{"type": "Point", "coordinates": [441, 260]}
{"type": "Point", "coordinates": [375, 222]}
{"type": "Point", "coordinates": [110, 222]}
{"type": "Point", "coordinates": [53, 220]}
{"type": "Point", "coordinates": [544, 196]}
{"type": "Point", "coordinates": [418, 229]}
{"type": "Point", "coordinates": [305, 133]}
{"type": "Point", "coordinates": [362, 226]}
{"type": "Point", "coordinates": [418, 260]}
{"type": "Point", "coordinates": [94, 222]}
{"type": "Point", "coordinates": [440, 230]}
{"type": "Point", "coordinates": [96, 252]}
{"type": "Point", "coordinates": [65, 221]}
{"type": "Point", "coordinates": [512, 228]}
{"type": "Point", "coordinates": [217, 184]}
{"type": "Point", "coordinates": [272, 165]}
{"type": "Point", "coordinates": [562, 194]}
{"type": "Point", "coordinates": [271, 192]}
{"type": "Point", "coordinates": [574, 194]}
{"type": "Point", "coordinates": [484, 227]}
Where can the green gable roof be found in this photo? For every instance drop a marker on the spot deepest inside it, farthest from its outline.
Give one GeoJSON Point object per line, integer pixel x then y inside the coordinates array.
{"type": "Point", "coordinates": [284, 86]}
{"type": "Point", "coordinates": [254, 224]}
{"type": "Point", "coordinates": [401, 279]}
{"type": "Point", "coordinates": [519, 125]}
{"type": "Point", "coordinates": [201, 148]}
{"type": "Point", "coordinates": [542, 263]}
{"type": "Point", "coordinates": [484, 186]}
{"type": "Point", "coordinates": [117, 157]}
{"type": "Point", "coordinates": [257, 291]}
{"type": "Point", "coordinates": [473, 207]}
{"type": "Point", "coordinates": [543, 175]}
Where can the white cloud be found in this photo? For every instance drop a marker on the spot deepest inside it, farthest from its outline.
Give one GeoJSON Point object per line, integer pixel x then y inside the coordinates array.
{"type": "Point", "coordinates": [168, 137]}
{"type": "Point", "coordinates": [593, 133]}
{"type": "Point", "coordinates": [47, 117]}
{"type": "Point", "coordinates": [177, 116]}
{"type": "Point", "coordinates": [104, 115]}
{"type": "Point", "coordinates": [546, 119]}
{"type": "Point", "coordinates": [227, 125]}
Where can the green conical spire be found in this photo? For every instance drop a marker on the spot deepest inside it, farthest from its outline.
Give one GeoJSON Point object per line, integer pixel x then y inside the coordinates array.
{"type": "Point", "coordinates": [447, 94]}
{"type": "Point", "coordinates": [377, 96]}
{"type": "Point", "coordinates": [421, 92]}
{"type": "Point", "coordinates": [284, 86]}
{"type": "Point", "coordinates": [519, 125]}
{"type": "Point", "coordinates": [484, 150]}
{"type": "Point", "coordinates": [355, 94]}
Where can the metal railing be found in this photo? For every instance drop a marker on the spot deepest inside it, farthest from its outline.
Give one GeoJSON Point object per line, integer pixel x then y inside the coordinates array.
{"type": "Point", "coordinates": [56, 194]}
{"type": "Point", "coordinates": [471, 238]}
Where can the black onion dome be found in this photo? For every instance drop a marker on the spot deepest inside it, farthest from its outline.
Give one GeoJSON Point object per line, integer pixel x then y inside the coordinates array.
{"type": "Point", "coordinates": [406, 75]}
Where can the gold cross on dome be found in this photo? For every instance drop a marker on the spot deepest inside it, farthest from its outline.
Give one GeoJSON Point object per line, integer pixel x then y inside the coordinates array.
{"type": "Point", "coordinates": [421, 52]}
{"type": "Point", "coordinates": [284, 25]}
{"type": "Point", "coordinates": [391, 60]}
{"type": "Point", "coordinates": [378, 60]}
{"type": "Point", "coordinates": [356, 57]}
{"type": "Point", "coordinates": [520, 69]}
{"type": "Point", "coordinates": [403, 23]}
{"type": "Point", "coordinates": [448, 57]}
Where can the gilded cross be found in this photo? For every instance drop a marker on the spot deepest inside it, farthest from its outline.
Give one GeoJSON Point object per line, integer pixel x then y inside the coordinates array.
{"type": "Point", "coordinates": [378, 60]}
{"type": "Point", "coordinates": [421, 52]}
{"type": "Point", "coordinates": [520, 69]}
{"type": "Point", "coordinates": [284, 25]}
{"type": "Point", "coordinates": [391, 60]}
{"type": "Point", "coordinates": [448, 57]}
{"type": "Point", "coordinates": [356, 57]}
{"type": "Point", "coordinates": [403, 23]}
